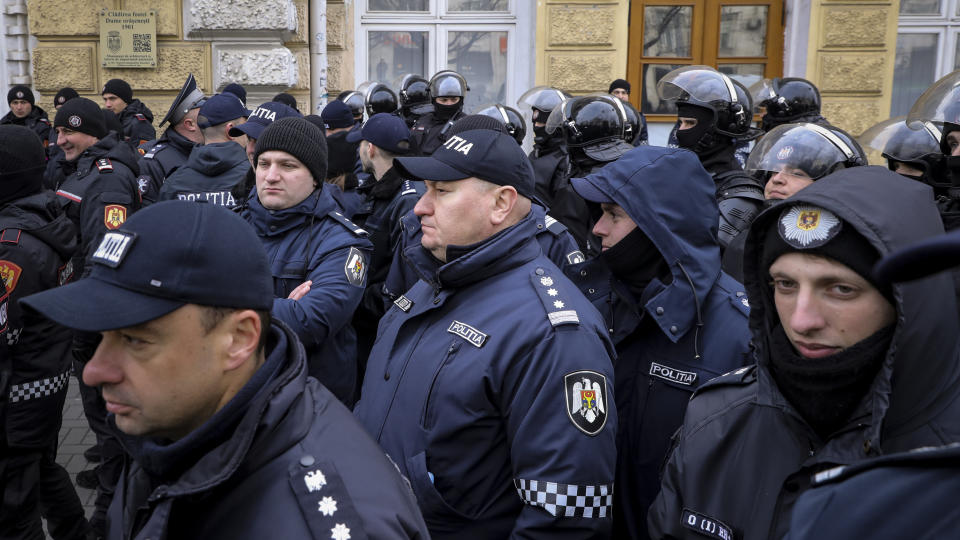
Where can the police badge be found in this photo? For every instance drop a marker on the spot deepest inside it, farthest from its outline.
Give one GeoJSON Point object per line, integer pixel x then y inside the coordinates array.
{"type": "Point", "coordinates": [805, 226]}
{"type": "Point", "coordinates": [356, 267]}
{"type": "Point", "coordinates": [586, 398]}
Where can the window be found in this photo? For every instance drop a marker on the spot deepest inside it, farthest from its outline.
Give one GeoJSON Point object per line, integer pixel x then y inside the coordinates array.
{"type": "Point", "coordinates": [927, 49]}
{"type": "Point", "coordinates": [480, 39]}
{"type": "Point", "coordinates": [742, 38]}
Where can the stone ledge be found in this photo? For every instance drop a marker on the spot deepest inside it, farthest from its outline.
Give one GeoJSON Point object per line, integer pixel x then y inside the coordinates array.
{"type": "Point", "coordinates": [55, 18]}
{"type": "Point", "coordinates": [243, 16]}
{"type": "Point", "coordinates": [255, 66]}
{"type": "Point", "coordinates": [853, 116]}
{"type": "Point", "coordinates": [592, 26]}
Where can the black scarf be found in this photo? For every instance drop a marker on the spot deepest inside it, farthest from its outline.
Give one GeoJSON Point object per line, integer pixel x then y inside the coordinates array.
{"type": "Point", "coordinates": [825, 391]}
{"type": "Point", "coordinates": [635, 261]}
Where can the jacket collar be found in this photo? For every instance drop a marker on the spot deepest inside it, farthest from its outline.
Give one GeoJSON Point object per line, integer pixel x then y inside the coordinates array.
{"type": "Point", "coordinates": [276, 222]}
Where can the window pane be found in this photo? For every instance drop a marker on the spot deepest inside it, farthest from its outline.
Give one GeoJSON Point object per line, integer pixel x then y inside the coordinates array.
{"type": "Point", "coordinates": [481, 57]}
{"type": "Point", "coordinates": [398, 5]}
{"type": "Point", "coordinates": [743, 73]}
{"type": "Point", "coordinates": [743, 31]}
{"type": "Point", "coordinates": [956, 54]}
{"type": "Point", "coordinates": [394, 54]}
{"type": "Point", "coordinates": [650, 102]}
{"type": "Point", "coordinates": [919, 7]}
{"type": "Point", "coordinates": [666, 30]}
{"type": "Point", "coordinates": [477, 5]}
{"type": "Point", "coordinates": [914, 69]}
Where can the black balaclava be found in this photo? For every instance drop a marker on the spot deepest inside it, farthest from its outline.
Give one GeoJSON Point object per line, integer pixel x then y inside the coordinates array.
{"type": "Point", "coordinates": [541, 139]}
{"type": "Point", "coordinates": [717, 153]}
{"type": "Point", "coordinates": [22, 161]}
{"type": "Point", "coordinates": [446, 112]}
{"type": "Point", "coordinates": [953, 162]}
{"type": "Point", "coordinates": [635, 261]}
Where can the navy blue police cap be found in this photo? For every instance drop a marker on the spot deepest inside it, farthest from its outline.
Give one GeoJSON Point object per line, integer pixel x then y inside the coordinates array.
{"type": "Point", "coordinates": [337, 115]}
{"type": "Point", "coordinates": [481, 153]}
{"type": "Point", "coordinates": [921, 259]}
{"type": "Point", "coordinates": [385, 131]}
{"type": "Point", "coordinates": [165, 256]}
{"type": "Point", "coordinates": [261, 117]}
{"type": "Point", "coordinates": [222, 108]}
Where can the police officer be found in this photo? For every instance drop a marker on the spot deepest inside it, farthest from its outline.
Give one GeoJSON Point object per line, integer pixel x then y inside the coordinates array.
{"type": "Point", "coordinates": [386, 198]}
{"type": "Point", "coordinates": [98, 194]}
{"type": "Point", "coordinates": [414, 98]}
{"type": "Point", "coordinates": [54, 153]}
{"type": "Point", "coordinates": [355, 102]}
{"type": "Point", "coordinates": [677, 320]}
{"type": "Point", "coordinates": [163, 157]}
{"type": "Point", "coordinates": [25, 112]}
{"type": "Point", "coordinates": [36, 243]}
{"type": "Point", "coordinates": [549, 155]}
{"type": "Point", "coordinates": [789, 100]}
{"type": "Point", "coordinates": [508, 116]}
{"type": "Point", "coordinates": [338, 121]}
{"type": "Point", "coordinates": [847, 366]}
{"type": "Point", "coordinates": [217, 166]}
{"type": "Point", "coordinates": [136, 117]}
{"type": "Point", "coordinates": [595, 128]}
{"type": "Point", "coordinates": [491, 377]}
{"type": "Point", "coordinates": [229, 437]}
{"type": "Point", "coordinates": [319, 259]}
{"type": "Point", "coordinates": [447, 92]}
{"type": "Point", "coordinates": [620, 89]}
{"type": "Point", "coordinates": [259, 119]}
{"type": "Point", "coordinates": [378, 98]}
{"type": "Point", "coordinates": [715, 114]}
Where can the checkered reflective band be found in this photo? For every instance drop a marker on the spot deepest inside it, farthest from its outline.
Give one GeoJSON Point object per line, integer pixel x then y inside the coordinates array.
{"type": "Point", "coordinates": [567, 500]}
{"type": "Point", "coordinates": [38, 389]}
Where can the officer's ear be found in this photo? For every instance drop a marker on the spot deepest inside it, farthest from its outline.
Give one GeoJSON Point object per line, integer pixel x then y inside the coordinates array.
{"type": "Point", "coordinates": [504, 202]}
{"type": "Point", "coordinates": [241, 335]}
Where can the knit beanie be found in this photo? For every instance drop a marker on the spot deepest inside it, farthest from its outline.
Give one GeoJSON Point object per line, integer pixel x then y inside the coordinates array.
{"type": "Point", "coordinates": [300, 139]}
{"type": "Point", "coordinates": [119, 88]}
{"type": "Point", "coordinates": [619, 83]}
{"type": "Point", "coordinates": [22, 161]}
{"type": "Point", "coordinates": [64, 95]}
{"type": "Point", "coordinates": [83, 115]}
{"type": "Point", "coordinates": [812, 230]}
{"type": "Point", "coordinates": [20, 92]}
{"type": "Point", "coordinates": [237, 90]}
{"type": "Point", "coordinates": [286, 99]}
{"type": "Point", "coordinates": [336, 114]}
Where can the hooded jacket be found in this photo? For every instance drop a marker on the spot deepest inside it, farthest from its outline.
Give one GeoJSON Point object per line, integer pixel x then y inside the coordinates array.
{"type": "Point", "coordinates": [137, 122]}
{"type": "Point", "coordinates": [209, 175]}
{"type": "Point", "coordinates": [677, 334]}
{"type": "Point", "coordinates": [313, 241]}
{"type": "Point", "coordinates": [744, 453]}
{"type": "Point", "coordinates": [160, 159]}
{"type": "Point", "coordinates": [37, 121]}
{"type": "Point", "coordinates": [292, 463]}
{"type": "Point", "coordinates": [36, 243]}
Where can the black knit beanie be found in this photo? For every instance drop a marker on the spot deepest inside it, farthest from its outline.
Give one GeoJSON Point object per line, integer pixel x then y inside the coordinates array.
{"type": "Point", "coordinates": [64, 95]}
{"type": "Point", "coordinates": [809, 229]}
{"type": "Point", "coordinates": [22, 161]}
{"type": "Point", "coordinates": [300, 139]}
{"type": "Point", "coordinates": [83, 115]}
{"type": "Point", "coordinates": [286, 99]}
{"type": "Point", "coordinates": [619, 83]}
{"type": "Point", "coordinates": [119, 88]}
{"type": "Point", "coordinates": [20, 92]}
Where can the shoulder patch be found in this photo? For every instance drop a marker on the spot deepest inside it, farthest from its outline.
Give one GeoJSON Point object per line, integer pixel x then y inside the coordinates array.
{"type": "Point", "coordinates": [356, 267]}
{"type": "Point", "coordinates": [114, 215]}
{"type": "Point", "coordinates": [104, 165]}
{"type": "Point", "coordinates": [351, 226]}
{"type": "Point", "coordinates": [10, 236]}
{"type": "Point", "coordinates": [324, 500]}
{"type": "Point", "coordinates": [140, 117]}
{"type": "Point", "coordinates": [705, 525]}
{"type": "Point", "coordinates": [10, 273]}
{"type": "Point", "coordinates": [740, 302]}
{"type": "Point", "coordinates": [585, 395]}
{"type": "Point", "coordinates": [141, 151]}
{"type": "Point", "coordinates": [558, 312]}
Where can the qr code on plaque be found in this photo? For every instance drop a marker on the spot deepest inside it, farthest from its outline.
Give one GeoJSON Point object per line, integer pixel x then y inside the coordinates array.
{"type": "Point", "coordinates": [141, 43]}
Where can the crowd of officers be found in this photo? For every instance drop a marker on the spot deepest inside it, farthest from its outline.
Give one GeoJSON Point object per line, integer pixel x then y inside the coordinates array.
{"type": "Point", "coordinates": [389, 320]}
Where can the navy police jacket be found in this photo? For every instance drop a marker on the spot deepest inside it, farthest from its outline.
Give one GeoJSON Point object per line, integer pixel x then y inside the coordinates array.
{"type": "Point", "coordinates": [292, 464]}
{"type": "Point", "coordinates": [137, 122]}
{"type": "Point", "coordinates": [677, 334]}
{"type": "Point", "coordinates": [490, 385]}
{"type": "Point", "coordinates": [313, 241]}
{"type": "Point", "coordinates": [209, 175]}
{"type": "Point", "coordinates": [161, 158]}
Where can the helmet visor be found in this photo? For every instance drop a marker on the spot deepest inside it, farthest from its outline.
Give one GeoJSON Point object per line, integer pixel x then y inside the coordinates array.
{"type": "Point", "coordinates": [939, 104]}
{"type": "Point", "coordinates": [894, 139]}
{"type": "Point", "coordinates": [800, 149]}
{"type": "Point", "coordinates": [761, 91]}
{"type": "Point", "coordinates": [701, 83]}
{"type": "Point", "coordinates": [543, 98]}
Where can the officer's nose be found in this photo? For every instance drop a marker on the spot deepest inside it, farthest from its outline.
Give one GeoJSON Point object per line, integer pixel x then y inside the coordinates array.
{"type": "Point", "coordinates": [778, 178]}
{"type": "Point", "coordinates": [602, 228]}
{"type": "Point", "coordinates": [424, 206]}
{"type": "Point", "coordinates": [806, 315]}
{"type": "Point", "coordinates": [61, 139]}
{"type": "Point", "coordinates": [104, 367]}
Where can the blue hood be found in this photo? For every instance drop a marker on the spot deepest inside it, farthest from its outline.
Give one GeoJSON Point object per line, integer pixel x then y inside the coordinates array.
{"type": "Point", "coordinates": [670, 197]}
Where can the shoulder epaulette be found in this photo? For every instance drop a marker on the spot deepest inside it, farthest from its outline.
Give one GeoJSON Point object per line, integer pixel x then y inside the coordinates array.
{"type": "Point", "coordinates": [407, 188]}
{"type": "Point", "coordinates": [153, 151]}
{"type": "Point", "coordinates": [324, 499]}
{"type": "Point", "coordinates": [553, 225]}
{"type": "Point", "coordinates": [104, 165]}
{"type": "Point", "coordinates": [10, 236]}
{"type": "Point", "coordinates": [554, 298]}
{"type": "Point", "coordinates": [738, 377]}
{"type": "Point", "coordinates": [44, 120]}
{"type": "Point", "coordinates": [141, 117]}
{"type": "Point", "coordinates": [740, 301]}
{"type": "Point", "coordinates": [343, 220]}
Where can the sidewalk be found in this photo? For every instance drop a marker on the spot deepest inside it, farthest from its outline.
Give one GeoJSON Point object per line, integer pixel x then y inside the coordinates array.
{"type": "Point", "coordinates": [75, 437]}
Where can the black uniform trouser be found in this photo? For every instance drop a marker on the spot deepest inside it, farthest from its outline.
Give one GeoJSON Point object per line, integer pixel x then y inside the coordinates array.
{"type": "Point", "coordinates": [111, 460]}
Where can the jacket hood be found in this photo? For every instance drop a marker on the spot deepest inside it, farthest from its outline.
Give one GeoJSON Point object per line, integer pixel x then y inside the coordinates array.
{"type": "Point", "coordinates": [40, 215]}
{"type": "Point", "coordinates": [920, 375]}
{"type": "Point", "coordinates": [670, 197]}
{"type": "Point", "coordinates": [137, 107]}
{"type": "Point", "coordinates": [217, 158]}
{"type": "Point", "coordinates": [112, 148]}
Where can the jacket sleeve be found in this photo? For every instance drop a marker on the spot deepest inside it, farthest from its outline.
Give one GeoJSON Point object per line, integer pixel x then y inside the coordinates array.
{"type": "Point", "coordinates": [377, 297]}
{"type": "Point", "coordinates": [150, 180]}
{"type": "Point", "coordinates": [109, 201]}
{"type": "Point", "coordinates": [664, 516]}
{"type": "Point", "coordinates": [332, 299]}
{"type": "Point", "coordinates": [563, 475]}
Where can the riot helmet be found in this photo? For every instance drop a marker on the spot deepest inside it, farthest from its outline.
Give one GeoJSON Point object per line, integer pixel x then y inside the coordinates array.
{"type": "Point", "coordinates": [920, 149]}
{"type": "Point", "coordinates": [939, 106]}
{"type": "Point", "coordinates": [510, 118]}
{"type": "Point", "coordinates": [787, 99]}
{"type": "Point", "coordinates": [540, 101]}
{"type": "Point", "coordinates": [634, 122]}
{"type": "Point", "coordinates": [447, 83]}
{"type": "Point", "coordinates": [355, 101]}
{"type": "Point", "coordinates": [706, 87]}
{"type": "Point", "coordinates": [595, 124]}
{"type": "Point", "coordinates": [379, 98]}
{"type": "Point", "coordinates": [808, 150]}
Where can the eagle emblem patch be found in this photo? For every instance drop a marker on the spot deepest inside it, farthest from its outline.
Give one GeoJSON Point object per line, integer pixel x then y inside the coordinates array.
{"type": "Point", "coordinates": [114, 215]}
{"type": "Point", "coordinates": [804, 226]}
{"type": "Point", "coordinates": [585, 394]}
{"type": "Point", "coordinates": [10, 273]}
{"type": "Point", "coordinates": [356, 267]}
{"type": "Point", "coordinates": [784, 153]}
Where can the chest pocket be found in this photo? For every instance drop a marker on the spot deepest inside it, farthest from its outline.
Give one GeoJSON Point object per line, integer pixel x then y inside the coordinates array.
{"type": "Point", "coordinates": [440, 384]}
{"type": "Point", "coordinates": [287, 275]}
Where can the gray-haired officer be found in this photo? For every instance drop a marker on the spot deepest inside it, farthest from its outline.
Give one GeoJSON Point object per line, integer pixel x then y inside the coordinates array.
{"type": "Point", "coordinates": [162, 157]}
{"type": "Point", "coordinates": [229, 437]}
